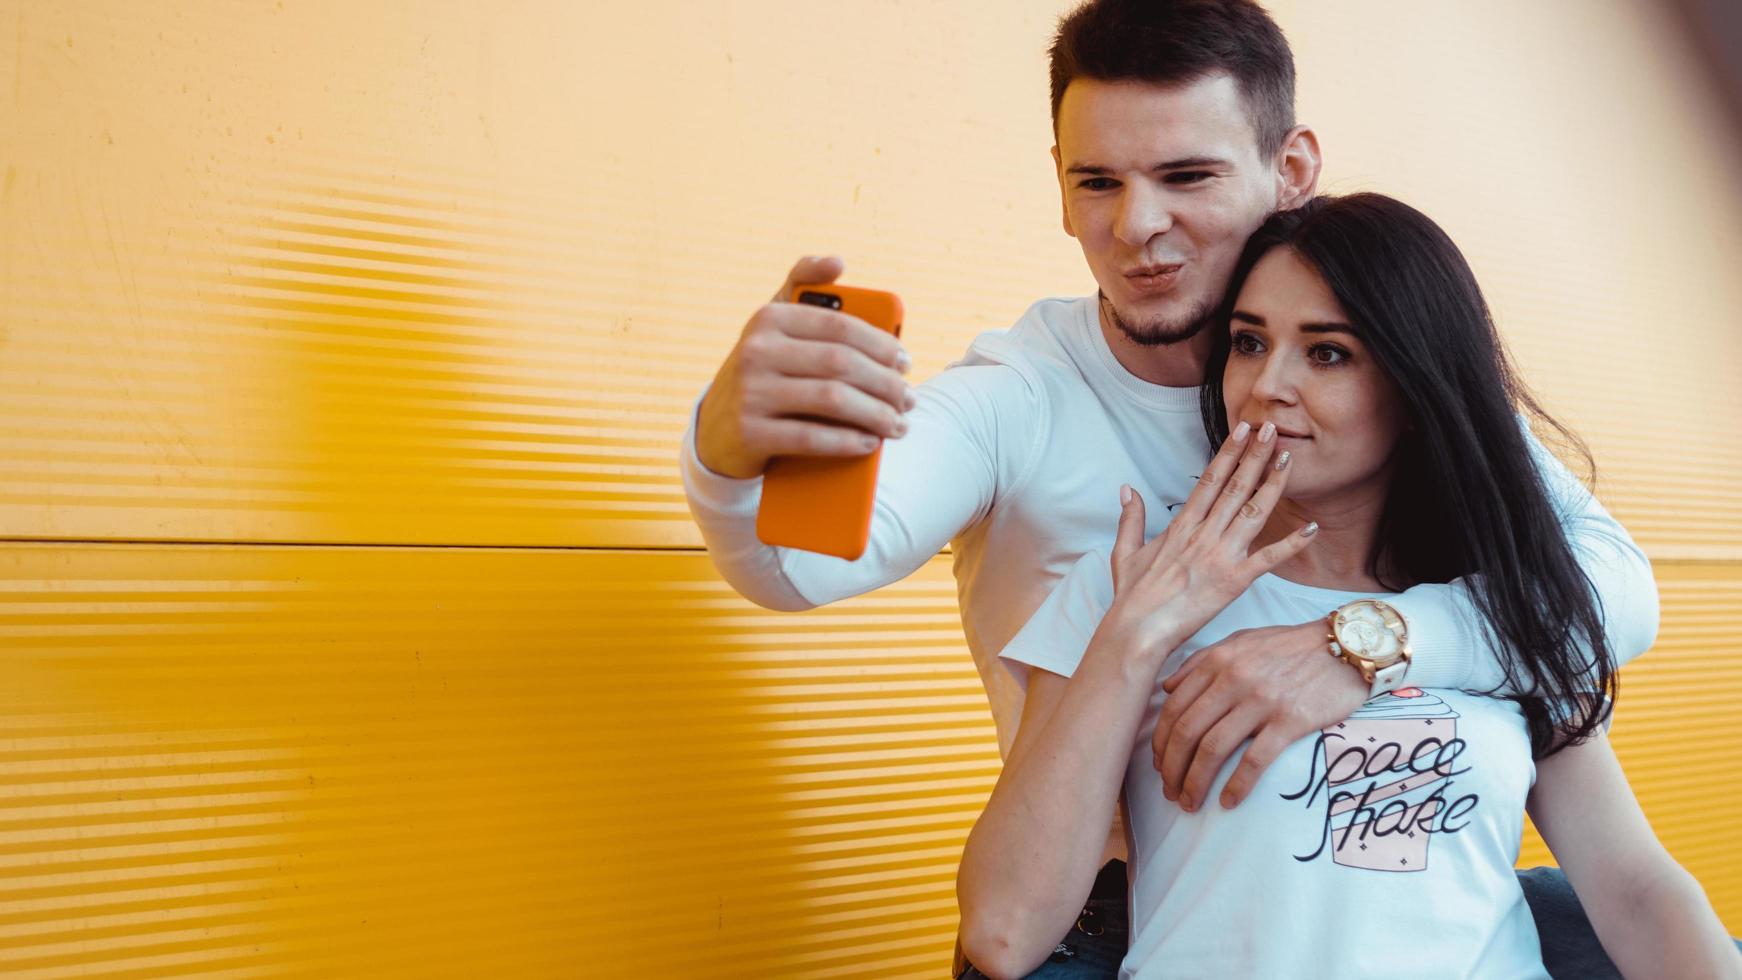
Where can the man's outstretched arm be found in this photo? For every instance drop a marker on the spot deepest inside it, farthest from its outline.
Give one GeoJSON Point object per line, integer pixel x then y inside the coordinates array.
{"type": "Point", "coordinates": [962, 435]}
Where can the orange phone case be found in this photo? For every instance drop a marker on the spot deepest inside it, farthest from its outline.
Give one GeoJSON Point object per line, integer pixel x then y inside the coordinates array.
{"type": "Point", "coordinates": [823, 504]}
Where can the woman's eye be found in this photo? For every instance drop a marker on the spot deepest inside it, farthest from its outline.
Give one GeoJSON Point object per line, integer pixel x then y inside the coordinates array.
{"type": "Point", "coordinates": [1246, 344]}
{"type": "Point", "coordinates": [1328, 354]}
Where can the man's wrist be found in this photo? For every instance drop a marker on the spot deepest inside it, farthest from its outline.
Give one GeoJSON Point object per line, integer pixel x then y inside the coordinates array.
{"type": "Point", "coordinates": [721, 464]}
{"type": "Point", "coordinates": [1372, 638]}
{"type": "Point", "coordinates": [727, 468]}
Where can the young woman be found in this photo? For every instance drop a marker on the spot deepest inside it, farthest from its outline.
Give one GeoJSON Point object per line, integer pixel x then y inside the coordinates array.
{"type": "Point", "coordinates": [1364, 407]}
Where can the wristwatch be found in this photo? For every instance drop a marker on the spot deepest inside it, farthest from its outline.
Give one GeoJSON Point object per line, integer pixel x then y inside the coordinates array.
{"type": "Point", "coordinates": [1371, 637]}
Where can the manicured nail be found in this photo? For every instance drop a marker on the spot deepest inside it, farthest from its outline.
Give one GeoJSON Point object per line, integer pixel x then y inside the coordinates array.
{"type": "Point", "coordinates": [909, 398]}
{"type": "Point", "coordinates": [1268, 432]}
{"type": "Point", "coordinates": [1282, 461]}
{"type": "Point", "coordinates": [1240, 431]}
{"type": "Point", "coordinates": [903, 361]}
{"type": "Point", "coordinates": [1310, 530]}
{"type": "Point", "coordinates": [1124, 493]}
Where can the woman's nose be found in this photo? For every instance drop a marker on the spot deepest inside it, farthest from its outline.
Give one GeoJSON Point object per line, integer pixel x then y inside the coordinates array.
{"type": "Point", "coordinates": [1276, 381]}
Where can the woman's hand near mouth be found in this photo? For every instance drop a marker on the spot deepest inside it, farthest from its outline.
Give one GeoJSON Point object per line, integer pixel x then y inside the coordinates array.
{"type": "Point", "coordinates": [1169, 588]}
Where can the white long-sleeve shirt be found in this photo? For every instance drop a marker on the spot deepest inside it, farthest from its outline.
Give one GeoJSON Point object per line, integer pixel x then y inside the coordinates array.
{"type": "Point", "coordinates": [1014, 456]}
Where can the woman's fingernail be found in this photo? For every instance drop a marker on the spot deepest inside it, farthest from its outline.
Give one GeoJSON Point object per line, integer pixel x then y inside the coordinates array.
{"type": "Point", "coordinates": [903, 361]}
{"type": "Point", "coordinates": [1282, 461]}
{"type": "Point", "coordinates": [1185, 803]}
{"type": "Point", "coordinates": [1124, 493]}
{"type": "Point", "coordinates": [1310, 530]}
{"type": "Point", "coordinates": [1240, 430]}
{"type": "Point", "coordinates": [909, 399]}
{"type": "Point", "coordinates": [1227, 801]}
{"type": "Point", "coordinates": [1268, 432]}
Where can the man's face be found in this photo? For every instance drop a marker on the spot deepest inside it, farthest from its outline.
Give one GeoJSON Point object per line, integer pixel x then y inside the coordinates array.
{"type": "Point", "coordinates": [1162, 184]}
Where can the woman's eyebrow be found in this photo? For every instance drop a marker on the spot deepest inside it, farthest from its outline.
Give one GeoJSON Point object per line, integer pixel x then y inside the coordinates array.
{"type": "Point", "coordinates": [1330, 327]}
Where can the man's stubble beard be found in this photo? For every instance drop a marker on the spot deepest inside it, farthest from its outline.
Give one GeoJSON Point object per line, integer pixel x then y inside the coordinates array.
{"type": "Point", "coordinates": [1160, 332]}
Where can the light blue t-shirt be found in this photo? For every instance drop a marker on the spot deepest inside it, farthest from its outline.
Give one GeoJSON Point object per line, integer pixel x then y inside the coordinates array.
{"type": "Point", "coordinates": [1383, 846]}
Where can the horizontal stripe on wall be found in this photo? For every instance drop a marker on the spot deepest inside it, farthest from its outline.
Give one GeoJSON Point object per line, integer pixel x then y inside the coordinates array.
{"type": "Point", "coordinates": [463, 761]}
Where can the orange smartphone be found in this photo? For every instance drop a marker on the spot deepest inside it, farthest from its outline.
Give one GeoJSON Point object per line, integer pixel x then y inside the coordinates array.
{"type": "Point", "coordinates": [823, 503]}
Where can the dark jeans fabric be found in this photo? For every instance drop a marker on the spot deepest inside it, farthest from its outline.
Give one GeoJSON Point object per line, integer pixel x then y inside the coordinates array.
{"type": "Point", "coordinates": [1569, 945]}
{"type": "Point", "coordinates": [1097, 942]}
{"type": "Point", "coordinates": [1570, 950]}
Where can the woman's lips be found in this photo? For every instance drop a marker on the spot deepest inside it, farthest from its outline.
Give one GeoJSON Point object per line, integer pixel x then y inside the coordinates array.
{"type": "Point", "coordinates": [1281, 433]}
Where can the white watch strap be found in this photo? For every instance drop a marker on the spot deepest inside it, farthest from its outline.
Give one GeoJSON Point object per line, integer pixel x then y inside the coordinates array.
{"type": "Point", "coordinates": [1388, 679]}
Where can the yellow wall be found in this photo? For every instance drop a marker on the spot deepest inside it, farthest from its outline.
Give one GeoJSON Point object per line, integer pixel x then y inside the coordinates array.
{"type": "Point", "coordinates": [351, 618]}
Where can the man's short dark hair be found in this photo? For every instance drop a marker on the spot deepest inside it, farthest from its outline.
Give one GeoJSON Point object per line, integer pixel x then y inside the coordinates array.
{"type": "Point", "coordinates": [1179, 41]}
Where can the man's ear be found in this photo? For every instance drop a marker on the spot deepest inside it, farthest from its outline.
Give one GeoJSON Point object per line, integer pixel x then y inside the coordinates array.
{"type": "Point", "coordinates": [1064, 209]}
{"type": "Point", "coordinates": [1297, 168]}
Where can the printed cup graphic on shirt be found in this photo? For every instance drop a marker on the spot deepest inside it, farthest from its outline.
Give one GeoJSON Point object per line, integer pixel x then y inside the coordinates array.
{"type": "Point", "coordinates": [1386, 768]}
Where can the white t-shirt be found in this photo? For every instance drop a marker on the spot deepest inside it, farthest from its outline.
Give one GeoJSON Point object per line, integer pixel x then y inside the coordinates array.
{"type": "Point", "coordinates": [1380, 846]}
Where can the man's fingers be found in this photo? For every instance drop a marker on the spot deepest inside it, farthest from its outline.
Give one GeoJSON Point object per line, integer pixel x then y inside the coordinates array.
{"type": "Point", "coordinates": [839, 362]}
{"type": "Point", "coordinates": [834, 403]}
{"type": "Point", "coordinates": [1183, 696]}
{"type": "Point", "coordinates": [801, 437]}
{"type": "Point", "coordinates": [1214, 749]}
{"type": "Point", "coordinates": [810, 271]}
{"type": "Point", "coordinates": [1182, 744]}
{"type": "Point", "coordinates": [1173, 681]}
{"type": "Point", "coordinates": [1265, 747]}
{"type": "Point", "coordinates": [806, 322]}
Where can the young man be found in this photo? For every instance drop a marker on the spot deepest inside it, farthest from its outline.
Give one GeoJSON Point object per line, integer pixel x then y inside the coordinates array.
{"type": "Point", "coordinates": [1175, 138]}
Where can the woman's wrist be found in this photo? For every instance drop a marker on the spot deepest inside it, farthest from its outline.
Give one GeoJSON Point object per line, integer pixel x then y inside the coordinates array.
{"type": "Point", "coordinates": [1136, 650]}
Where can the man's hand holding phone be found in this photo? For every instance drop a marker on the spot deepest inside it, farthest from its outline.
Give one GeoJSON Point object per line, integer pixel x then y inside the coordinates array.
{"type": "Point", "coordinates": [803, 380]}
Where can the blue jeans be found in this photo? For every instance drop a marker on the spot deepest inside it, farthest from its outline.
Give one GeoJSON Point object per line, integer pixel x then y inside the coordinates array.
{"type": "Point", "coordinates": [1570, 950]}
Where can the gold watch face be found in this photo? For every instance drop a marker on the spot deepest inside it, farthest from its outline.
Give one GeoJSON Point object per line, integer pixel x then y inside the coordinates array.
{"type": "Point", "coordinates": [1370, 630]}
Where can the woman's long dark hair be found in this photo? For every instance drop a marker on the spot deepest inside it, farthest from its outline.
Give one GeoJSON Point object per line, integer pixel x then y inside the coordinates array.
{"type": "Point", "coordinates": [1466, 498]}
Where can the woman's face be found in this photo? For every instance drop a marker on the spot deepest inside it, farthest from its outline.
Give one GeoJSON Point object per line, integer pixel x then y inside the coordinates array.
{"type": "Point", "coordinates": [1295, 361]}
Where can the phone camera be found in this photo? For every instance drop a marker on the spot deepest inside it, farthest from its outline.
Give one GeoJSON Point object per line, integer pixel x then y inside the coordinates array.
{"type": "Point", "coordinates": [829, 300]}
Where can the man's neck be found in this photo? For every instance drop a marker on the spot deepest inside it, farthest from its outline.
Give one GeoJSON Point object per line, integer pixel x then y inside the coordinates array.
{"type": "Point", "coordinates": [1178, 365]}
